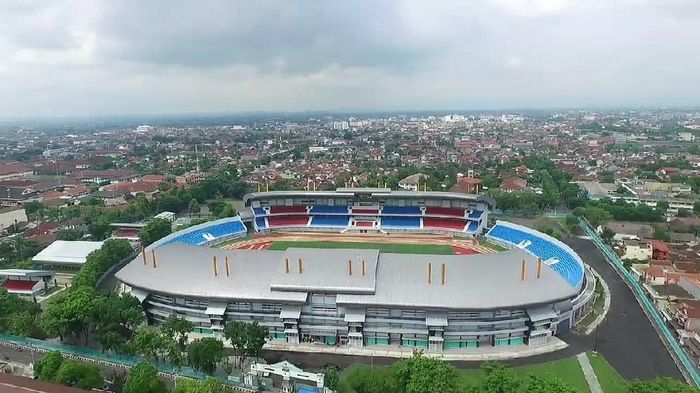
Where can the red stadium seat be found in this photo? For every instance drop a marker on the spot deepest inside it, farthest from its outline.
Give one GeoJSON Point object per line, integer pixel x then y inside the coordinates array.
{"type": "Point", "coordinates": [287, 221]}
{"type": "Point", "coordinates": [365, 211]}
{"type": "Point", "coordinates": [442, 223]}
{"type": "Point", "coordinates": [288, 209]}
{"type": "Point", "coordinates": [444, 211]}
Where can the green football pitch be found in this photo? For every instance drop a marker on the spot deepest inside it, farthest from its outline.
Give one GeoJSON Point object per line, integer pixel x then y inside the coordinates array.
{"type": "Point", "coordinates": [398, 248]}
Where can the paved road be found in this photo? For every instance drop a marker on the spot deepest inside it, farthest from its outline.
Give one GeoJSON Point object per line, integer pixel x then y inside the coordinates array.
{"type": "Point", "coordinates": [626, 338]}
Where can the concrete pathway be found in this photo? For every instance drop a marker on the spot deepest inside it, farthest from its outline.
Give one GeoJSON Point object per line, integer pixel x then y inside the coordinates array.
{"type": "Point", "coordinates": [606, 304]}
{"type": "Point", "coordinates": [588, 372]}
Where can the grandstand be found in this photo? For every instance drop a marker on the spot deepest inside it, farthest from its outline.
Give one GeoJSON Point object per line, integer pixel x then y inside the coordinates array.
{"type": "Point", "coordinates": [209, 232]}
{"type": "Point", "coordinates": [360, 296]}
{"type": "Point", "coordinates": [553, 252]}
{"type": "Point", "coordinates": [376, 209]}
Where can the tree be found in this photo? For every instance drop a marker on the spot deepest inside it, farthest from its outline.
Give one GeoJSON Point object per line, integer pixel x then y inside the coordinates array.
{"type": "Point", "coordinates": [547, 384]}
{"type": "Point", "coordinates": [247, 339]}
{"type": "Point", "coordinates": [143, 378]}
{"type": "Point", "coordinates": [193, 206]}
{"type": "Point", "coordinates": [662, 205]}
{"type": "Point", "coordinates": [155, 230]}
{"type": "Point", "coordinates": [660, 234]}
{"type": "Point", "coordinates": [607, 234]}
{"type": "Point", "coordinates": [148, 342]}
{"type": "Point", "coordinates": [331, 376]}
{"type": "Point", "coordinates": [205, 353]}
{"type": "Point", "coordinates": [421, 374]}
{"type": "Point", "coordinates": [661, 385]}
{"type": "Point", "coordinates": [113, 319]}
{"type": "Point", "coordinates": [47, 367]}
{"type": "Point", "coordinates": [33, 207]}
{"type": "Point", "coordinates": [84, 376]}
{"type": "Point", "coordinates": [209, 385]}
{"type": "Point", "coordinates": [177, 328]}
{"type": "Point", "coordinates": [696, 208]}
{"type": "Point", "coordinates": [21, 324]}
{"type": "Point", "coordinates": [360, 378]}
{"type": "Point", "coordinates": [499, 379]}
{"type": "Point", "coordinates": [67, 314]}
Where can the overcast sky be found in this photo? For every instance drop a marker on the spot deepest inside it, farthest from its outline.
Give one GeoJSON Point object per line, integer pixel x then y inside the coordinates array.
{"type": "Point", "coordinates": [65, 58]}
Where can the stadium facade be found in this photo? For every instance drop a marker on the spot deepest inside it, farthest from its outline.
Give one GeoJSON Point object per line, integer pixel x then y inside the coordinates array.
{"type": "Point", "coordinates": [536, 289]}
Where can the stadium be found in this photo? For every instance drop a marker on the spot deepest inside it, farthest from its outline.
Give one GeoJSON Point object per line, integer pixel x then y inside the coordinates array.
{"type": "Point", "coordinates": [367, 267]}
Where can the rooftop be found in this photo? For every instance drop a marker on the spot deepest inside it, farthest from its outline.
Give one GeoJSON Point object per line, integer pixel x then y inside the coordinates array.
{"type": "Point", "coordinates": [471, 281]}
{"type": "Point", "coordinates": [63, 252]}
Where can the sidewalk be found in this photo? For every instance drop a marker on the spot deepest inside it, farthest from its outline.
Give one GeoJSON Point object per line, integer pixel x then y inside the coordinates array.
{"type": "Point", "coordinates": [392, 351]}
{"type": "Point", "coordinates": [588, 372]}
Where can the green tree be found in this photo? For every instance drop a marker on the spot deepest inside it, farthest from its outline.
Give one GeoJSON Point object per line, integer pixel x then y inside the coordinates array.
{"type": "Point", "coordinates": [33, 207]}
{"type": "Point", "coordinates": [360, 378]}
{"type": "Point", "coordinates": [331, 377]}
{"type": "Point", "coordinates": [660, 234]}
{"type": "Point", "coordinates": [67, 314]}
{"type": "Point", "coordinates": [177, 328]}
{"type": "Point", "coordinates": [84, 376]}
{"type": "Point", "coordinates": [661, 385]}
{"type": "Point", "coordinates": [421, 374]}
{"type": "Point", "coordinates": [696, 208]}
{"type": "Point", "coordinates": [47, 367]}
{"type": "Point", "coordinates": [662, 205]}
{"type": "Point", "coordinates": [205, 353]}
{"type": "Point", "coordinates": [113, 319]}
{"type": "Point", "coordinates": [499, 379]}
{"type": "Point", "coordinates": [247, 339]}
{"type": "Point", "coordinates": [607, 234]}
{"type": "Point", "coordinates": [155, 230]}
{"type": "Point", "coordinates": [148, 342]}
{"type": "Point", "coordinates": [209, 385]}
{"type": "Point", "coordinates": [547, 384]}
{"type": "Point", "coordinates": [22, 324]}
{"type": "Point", "coordinates": [193, 206]}
{"type": "Point", "coordinates": [143, 378]}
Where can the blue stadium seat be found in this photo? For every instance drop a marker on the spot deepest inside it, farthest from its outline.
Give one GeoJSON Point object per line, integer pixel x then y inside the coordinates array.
{"type": "Point", "coordinates": [567, 267]}
{"type": "Point", "coordinates": [325, 209]}
{"type": "Point", "coordinates": [260, 222]}
{"type": "Point", "coordinates": [475, 214]}
{"type": "Point", "coordinates": [402, 210]}
{"type": "Point", "coordinates": [213, 232]}
{"type": "Point", "coordinates": [330, 221]}
{"type": "Point", "coordinates": [401, 222]}
{"type": "Point", "coordinates": [473, 226]}
{"type": "Point", "coordinates": [259, 211]}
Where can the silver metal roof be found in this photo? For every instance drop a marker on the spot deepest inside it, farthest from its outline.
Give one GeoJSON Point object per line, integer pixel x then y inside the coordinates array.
{"type": "Point", "coordinates": [334, 271]}
{"type": "Point", "coordinates": [484, 281]}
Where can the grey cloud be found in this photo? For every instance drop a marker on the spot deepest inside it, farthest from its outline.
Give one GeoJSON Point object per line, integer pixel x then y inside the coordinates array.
{"type": "Point", "coordinates": [281, 36]}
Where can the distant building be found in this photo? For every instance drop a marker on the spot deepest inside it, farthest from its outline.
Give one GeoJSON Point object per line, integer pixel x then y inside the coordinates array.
{"type": "Point", "coordinates": [341, 125]}
{"type": "Point", "coordinates": [28, 283]}
{"type": "Point", "coordinates": [65, 253]}
{"type": "Point", "coordinates": [411, 183]}
{"type": "Point", "coordinates": [659, 250]}
{"type": "Point", "coordinates": [10, 216]}
{"type": "Point", "coordinates": [639, 250]}
{"type": "Point", "coordinates": [189, 178]}
{"type": "Point", "coordinates": [686, 136]}
{"type": "Point", "coordinates": [513, 184]}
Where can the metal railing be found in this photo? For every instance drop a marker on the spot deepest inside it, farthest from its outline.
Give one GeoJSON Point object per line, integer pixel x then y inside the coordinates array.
{"type": "Point", "coordinates": [113, 359]}
{"type": "Point", "coordinates": [680, 356]}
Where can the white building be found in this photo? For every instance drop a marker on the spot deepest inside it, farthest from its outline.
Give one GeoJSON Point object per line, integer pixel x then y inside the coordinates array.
{"type": "Point", "coordinates": [639, 250]}
{"type": "Point", "coordinates": [72, 254]}
{"type": "Point", "coordinates": [686, 136]}
{"type": "Point", "coordinates": [341, 125]}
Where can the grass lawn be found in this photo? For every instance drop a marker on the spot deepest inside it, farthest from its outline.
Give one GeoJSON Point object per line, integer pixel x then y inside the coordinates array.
{"type": "Point", "coordinates": [609, 379]}
{"type": "Point", "coordinates": [567, 369]}
{"type": "Point", "coordinates": [382, 247]}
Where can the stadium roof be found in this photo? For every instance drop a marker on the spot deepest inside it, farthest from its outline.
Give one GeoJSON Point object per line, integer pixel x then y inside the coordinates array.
{"type": "Point", "coordinates": [64, 252]}
{"type": "Point", "coordinates": [25, 273]}
{"type": "Point", "coordinates": [378, 192]}
{"type": "Point", "coordinates": [484, 281]}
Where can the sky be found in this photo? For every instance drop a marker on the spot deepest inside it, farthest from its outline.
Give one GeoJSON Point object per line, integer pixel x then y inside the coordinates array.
{"type": "Point", "coordinates": [97, 58]}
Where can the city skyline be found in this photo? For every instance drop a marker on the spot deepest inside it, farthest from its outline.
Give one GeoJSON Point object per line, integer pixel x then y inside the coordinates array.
{"type": "Point", "coordinates": [75, 58]}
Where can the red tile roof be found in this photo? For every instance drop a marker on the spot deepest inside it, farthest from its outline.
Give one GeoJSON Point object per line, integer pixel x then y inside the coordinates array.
{"type": "Point", "coordinates": [18, 285]}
